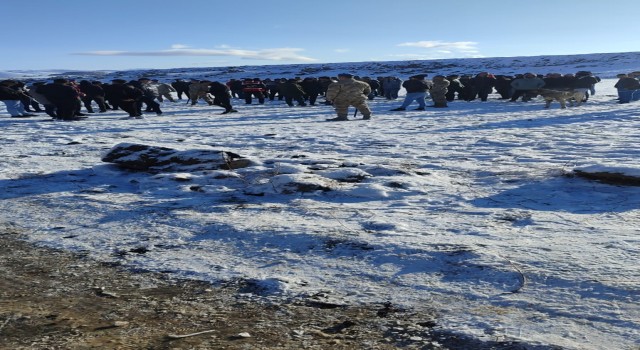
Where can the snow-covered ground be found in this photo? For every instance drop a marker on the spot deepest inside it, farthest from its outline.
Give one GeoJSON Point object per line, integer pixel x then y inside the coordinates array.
{"type": "Point", "coordinates": [466, 211]}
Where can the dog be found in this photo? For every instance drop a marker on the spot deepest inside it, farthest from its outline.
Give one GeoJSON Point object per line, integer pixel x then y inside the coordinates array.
{"type": "Point", "coordinates": [563, 96]}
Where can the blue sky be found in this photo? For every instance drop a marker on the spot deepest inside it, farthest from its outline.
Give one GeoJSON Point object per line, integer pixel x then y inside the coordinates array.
{"type": "Point", "coordinates": [124, 34]}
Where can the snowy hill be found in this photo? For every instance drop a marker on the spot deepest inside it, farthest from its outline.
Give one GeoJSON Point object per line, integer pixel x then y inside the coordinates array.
{"type": "Point", "coordinates": [605, 65]}
{"type": "Point", "coordinates": [472, 212]}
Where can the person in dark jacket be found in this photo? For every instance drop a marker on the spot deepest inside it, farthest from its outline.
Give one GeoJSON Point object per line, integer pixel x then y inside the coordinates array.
{"type": "Point", "coordinates": [253, 87]}
{"type": "Point", "coordinates": [526, 86]}
{"type": "Point", "coordinates": [455, 87]}
{"type": "Point", "coordinates": [49, 108]}
{"type": "Point", "coordinates": [273, 88]}
{"type": "Point", "coordinates": [236, 88]}
{"type": "Point", "coordinates": [628, 88]}
{"type": "Point", "coordinates": [555, 81]}
{"type": "Point", "coordinates": [182, 87]}
{"type": "Point", "coordinates": [149, 96]}
{"type": "Point", "coordinates": [324, 85]}
{"type": "Point", "coordinates": [291, 91]}
{"type": "Point", "coordinates": [27, 100]}
{"type": "Point", "coordinates": [221, 96]}
{"type": "Point", "coordinates": [468, 90]}
{"type": "Point", "coordinates": [483, 84]}
{"type": "Point", "coordinates": [12, 99]}
{"type": "Point", "coordinates": [375, 87]}
{"type": "Point", "coordinates": [503, 86]}
{"type": "Point", "coordinates": [62, 95]}
{"type": "Point", "coordinates": [126, 96]}
{"type": "Point", "coordinates": [586, 80]}
{"type": "Point", "coordinates": [92, 93]}
{"type": "Point", "coordinates": [416, 88]}
{"type": "Point", "coordinates": [312, 88]}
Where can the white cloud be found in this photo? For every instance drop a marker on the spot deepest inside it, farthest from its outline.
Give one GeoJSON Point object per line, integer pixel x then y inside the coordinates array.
{"type": "Point", "coordinates": [179, 46]}
{"type": "Point", "coordinates": [341, 50]}
{"type": "Point", "coordinates": [442, 49]}
{"type": "Point", "coordinates": [275, 54]}
{"type": "Point", "coordinates": [443, 45]}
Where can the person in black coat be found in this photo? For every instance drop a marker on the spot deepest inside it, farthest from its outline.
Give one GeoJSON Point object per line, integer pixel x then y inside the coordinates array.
{"type": "Point", "coordinates": [182, 87]}
{"type": "Point", "coordinates": [92, 93]}
{"type": "Point", "coordinates": [11, 98]}
{"type": "Point", "coordinates": [455, 86]}
{"type": "Point", "coordinates": [63, 96]}
{"type": "Point", "coordinates": [555, 81]}
{"type": "Point", "coordinates": [236, 88]}
{"type": "Point", "coordinates": [126, 96]}
{"type": "Point", "coordinates": [416, 88]}
{"type": "Point", "coordinates": [586, 80]}
{"type": "Point", "coordinates": [483, 84]}
{"type": "Point", "coordinates": [291, 91]}
{"type": "Point", "coordinates": [468, 90]}
{"type": "Point", "coordinates": [149, 95]}
{"type": "Point", "coordinates": [503, 86]}
{"type": "Point", "coordinates": [273, 88]}
{"type": "Point", "coordinates": [221, 96]}
{"type": "Point", "coordinates": [312, 89]}
{"type": "Point", "coordinates": [27, 100]}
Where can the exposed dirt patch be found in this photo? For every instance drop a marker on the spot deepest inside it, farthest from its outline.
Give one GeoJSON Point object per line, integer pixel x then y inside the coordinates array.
{"type": "Point", "coordinates": [51, 299]}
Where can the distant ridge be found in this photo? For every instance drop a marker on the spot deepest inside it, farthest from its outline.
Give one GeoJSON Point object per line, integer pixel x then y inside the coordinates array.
{"type": "Point", "coordinates": [605, 65]}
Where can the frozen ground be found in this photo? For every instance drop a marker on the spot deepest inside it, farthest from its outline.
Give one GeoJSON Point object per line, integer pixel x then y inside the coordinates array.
{"type": "Point", "coordinates": [465, 210]}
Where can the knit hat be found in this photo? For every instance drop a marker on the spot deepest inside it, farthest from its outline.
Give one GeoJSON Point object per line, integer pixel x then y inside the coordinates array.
{"type": "Point", "coordinates": [346, 75]}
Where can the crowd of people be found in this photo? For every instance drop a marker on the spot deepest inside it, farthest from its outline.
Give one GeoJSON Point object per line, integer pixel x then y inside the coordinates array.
{"type": "Point", "coordinates": [63, 99]}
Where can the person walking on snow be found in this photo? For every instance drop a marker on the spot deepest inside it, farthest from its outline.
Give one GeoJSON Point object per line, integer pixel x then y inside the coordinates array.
{"type": "Point", "coordinates": [11, 98]}
{"type": "Point", "coordinates": [416, 91]}
{"type": "Point", "coordinates": [349, 92]}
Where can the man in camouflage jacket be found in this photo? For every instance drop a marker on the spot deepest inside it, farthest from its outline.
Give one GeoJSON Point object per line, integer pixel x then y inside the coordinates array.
{"type": "Point", "coordinates": [438, 91]}
{"type": "Point", "coordinates": [349, 92]}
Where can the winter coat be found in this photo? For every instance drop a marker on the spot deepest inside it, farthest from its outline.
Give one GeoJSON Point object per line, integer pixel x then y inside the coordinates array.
{"type": "Point", "coordinates": [219, 89]}
{"type": "Point", "coordinates": [180, 85]}
{"type": "Point", "coordinates": [164, 88]}
{"type": "Point", "coordinates": [455, 85]}
{"type": "Point", "coordinates": [527, 83]}
{"type": "Point", "coordinates": [585, 82]}
{"type": "Point", "coordinates": [627, 84]}
{"type": "Point", "coordinates": [253, 87]}
{"type": "Point", "coordinates": [291, 89]}
{"type": "Point", "coordinates": [375, 85]}
{"type": "Point", "coordinates": [439, 87]}
{"type": "Point", "coordinates": [311, 86]}
{"type": "Point", "coordinates": [59, 94]}
{"type": "Point", "coordinates": [90, 90]}
{"type": "Point", "coordinates": [9, 94]}
{"type": "Point", "coordinates": [392, 84]}
{"type": "Point", "coordinates": [124, 92]}
{"type": "Point", "coordinates": [150, 90]}
{"type": "Point", "coordinates": [40, 98]}
{"type": "Point", "coordinates": [198, 89]}
{"type": "Point", "coordinates": [348, 90]}
{"type": "Point", "coordinates": [559, 83]}
{"type": "Point", "coordinates": [415, 85]}
{"type": "Point", "coordinates": [484, 82]}
{"type": "Point", "coordinates": [235, 85]}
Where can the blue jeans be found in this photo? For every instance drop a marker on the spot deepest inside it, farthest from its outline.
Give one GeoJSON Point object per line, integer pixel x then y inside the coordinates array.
{"type": "Point", "coordinates": [626, 96]}
{"type": "Point", "coordinates": [14, 107]}
{"type": "Point", "coordinates": [414, 96]}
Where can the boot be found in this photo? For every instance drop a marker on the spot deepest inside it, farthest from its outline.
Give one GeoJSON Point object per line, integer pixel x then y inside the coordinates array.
{"type": "Point", "coordinates": [366, 117]}
{"type": "Point", "coordinates": [398, 109]}
{"type": "Point", "coordinates": [441, 105]}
